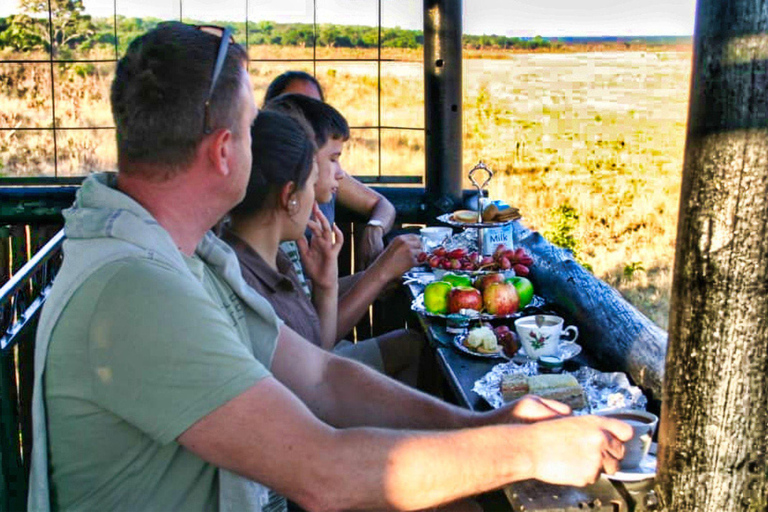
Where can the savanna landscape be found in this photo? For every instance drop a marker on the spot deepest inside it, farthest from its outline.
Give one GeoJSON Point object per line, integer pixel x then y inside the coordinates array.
{"type": "Point", "coordinates": [587, 140]}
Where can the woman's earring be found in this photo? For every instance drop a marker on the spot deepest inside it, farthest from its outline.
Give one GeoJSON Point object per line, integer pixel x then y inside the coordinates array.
{"type": "Point", "coordinates": [293, 203]}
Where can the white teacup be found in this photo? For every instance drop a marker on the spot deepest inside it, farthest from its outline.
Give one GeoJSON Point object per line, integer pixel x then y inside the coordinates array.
{"type": "Point", "coordinates": [643, 425]}
{"type": "Point", "coordinates": [544, 339]}
{"type": "Point", "coordinates": [433, 236]}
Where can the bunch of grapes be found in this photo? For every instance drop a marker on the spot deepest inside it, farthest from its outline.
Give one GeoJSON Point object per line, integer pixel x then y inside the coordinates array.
{"type": "Point", "coordinates": [459, 259]}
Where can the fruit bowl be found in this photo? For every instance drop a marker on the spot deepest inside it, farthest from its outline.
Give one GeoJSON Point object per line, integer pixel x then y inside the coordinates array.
{"type": "Point", "coordinates": [418, 306]}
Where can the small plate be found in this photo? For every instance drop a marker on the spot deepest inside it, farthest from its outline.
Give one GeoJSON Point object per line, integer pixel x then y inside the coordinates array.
{"type": "Point", "coordinates": [457, 342]}
{"type": "Point", "coordinates": [646, 470]}
{"type": "Point", "coordinates": [566, 351]}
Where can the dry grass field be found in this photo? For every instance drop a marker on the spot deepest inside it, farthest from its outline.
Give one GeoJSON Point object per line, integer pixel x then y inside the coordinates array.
{"type": "Point", "coordinates": [588, 145]}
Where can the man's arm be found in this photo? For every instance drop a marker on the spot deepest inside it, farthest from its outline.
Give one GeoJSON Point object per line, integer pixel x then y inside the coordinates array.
{"type": "Point", "coordinates": [269, 435]}
{"type": "Point", "coordinates": [372, 205]}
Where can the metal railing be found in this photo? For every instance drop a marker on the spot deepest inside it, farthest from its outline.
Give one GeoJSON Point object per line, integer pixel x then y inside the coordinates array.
{"type": "Point", "coordinates": [21, 300]}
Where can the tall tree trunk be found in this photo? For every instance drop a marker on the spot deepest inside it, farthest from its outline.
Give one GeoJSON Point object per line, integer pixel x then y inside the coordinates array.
{"type": "Point", "coordinates": [714, 428]}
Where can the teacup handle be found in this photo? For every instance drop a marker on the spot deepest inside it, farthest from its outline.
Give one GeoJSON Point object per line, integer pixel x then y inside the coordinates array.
{"type": "Point", "coordinates": [570, 329]}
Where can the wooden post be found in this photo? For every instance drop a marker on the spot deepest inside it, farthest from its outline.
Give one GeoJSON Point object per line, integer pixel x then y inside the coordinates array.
{"type": "Point", "coordinates": [714, 427]}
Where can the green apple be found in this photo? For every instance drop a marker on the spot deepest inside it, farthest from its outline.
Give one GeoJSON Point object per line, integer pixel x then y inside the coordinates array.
{"type": "Point", "coordinates": [524, 289]}
{"type": "Point", "coordinates": [457, 279]}
{"type": "Point", "coordinates": [436, 296]}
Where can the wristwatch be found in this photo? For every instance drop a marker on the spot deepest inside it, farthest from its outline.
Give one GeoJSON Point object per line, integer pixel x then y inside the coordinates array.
{"type": "Point", "coordinates": [376, 223]}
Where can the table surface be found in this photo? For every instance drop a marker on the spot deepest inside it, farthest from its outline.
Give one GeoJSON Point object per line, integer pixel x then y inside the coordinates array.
{"type": "Point", "coordinates": [462, 371]}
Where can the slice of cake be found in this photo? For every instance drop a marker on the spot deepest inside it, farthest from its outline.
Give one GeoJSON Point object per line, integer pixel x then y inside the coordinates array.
{"type": "Point", "coordinates": [563, 388]}
{"type": "Point", "coordinates": [514, 386]}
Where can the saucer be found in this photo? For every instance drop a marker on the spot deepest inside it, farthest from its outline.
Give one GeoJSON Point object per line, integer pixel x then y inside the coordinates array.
{"type": "Point", "coordinates": [566, 351]}
{"type": "Point", "coordinates": [646, 470]}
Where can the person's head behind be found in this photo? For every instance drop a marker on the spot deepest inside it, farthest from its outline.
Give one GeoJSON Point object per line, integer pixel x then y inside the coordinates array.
{"type": "Point", "coordinates": [298, 82]}
{"type": "Point", "coordinates": [159, 92]}
{"type": "Point", "coordinates": [331, 131]}
{"type": "Point", "coordinates": [283, 172]}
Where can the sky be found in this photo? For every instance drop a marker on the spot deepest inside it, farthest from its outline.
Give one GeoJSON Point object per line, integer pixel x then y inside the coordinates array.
{"type": "Point", "coordinates": [521, 18]}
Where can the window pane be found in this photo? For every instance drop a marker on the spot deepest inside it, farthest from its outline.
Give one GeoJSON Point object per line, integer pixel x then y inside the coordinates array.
{"type": "Point", "coordinates": [361, 153]}
{"type": "Point", "coordinates": [347, 30]}
{"type": "Point", "coordinates": [402, 43]}
{"type": "Point", "coordinates": [262, 73]}
{"type": "Point", "coordinates": [83, 34]}
{"type": "Point", "coordinates": [82, 94]}
{"type": "Point", "coordinates": [135, 17]}
{"type": "Point", "coordinates": [281, 30]}
{"type": "Point", "coordinates": [351, 87]}
{"type": "Point", "coordinates": [402, 153]}
{"type": "Point", "coordinates": [84, 151]}
{"type": "Point", "coordinates": [35, 43]}
{"type": "Point", "coordinates": [26, 153]}
{"type": "Point", "coordinates": [25, 95]}
{"type": "Point", "coordinates": [402, 94]}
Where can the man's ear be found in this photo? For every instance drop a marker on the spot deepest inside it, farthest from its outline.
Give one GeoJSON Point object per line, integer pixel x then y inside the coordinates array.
{"type": "Point", "coordinates": [219, 149]}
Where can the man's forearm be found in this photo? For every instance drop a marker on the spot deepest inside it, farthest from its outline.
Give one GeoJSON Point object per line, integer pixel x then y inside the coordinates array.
{"type": "Point", "coordinates": [385, 212]}
{"type": "Point", "coordinates": [409, 470]}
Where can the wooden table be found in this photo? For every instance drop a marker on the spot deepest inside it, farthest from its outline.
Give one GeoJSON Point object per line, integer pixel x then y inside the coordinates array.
{"type": "Point", "coordinates": [461, 372]}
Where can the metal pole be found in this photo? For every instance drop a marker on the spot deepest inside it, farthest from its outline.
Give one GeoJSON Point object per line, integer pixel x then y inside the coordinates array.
{"type": "Point", "coordinates": [442, 103]}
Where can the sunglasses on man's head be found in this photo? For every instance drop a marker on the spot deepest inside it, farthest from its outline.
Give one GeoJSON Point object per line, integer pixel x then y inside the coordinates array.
{"type": "Point", "coordinates": [225, 34]}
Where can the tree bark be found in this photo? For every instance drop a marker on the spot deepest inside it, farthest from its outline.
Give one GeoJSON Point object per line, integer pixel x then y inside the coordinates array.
{"type": "Point", "coordinates": [714, 427]}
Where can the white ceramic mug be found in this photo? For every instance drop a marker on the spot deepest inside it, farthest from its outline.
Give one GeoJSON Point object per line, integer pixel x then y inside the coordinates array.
{"type": "Point", "coordinates": [643, 425]}
{"type": "Point", "coordinates": [544, 339]}
{"type": "Point", "coordinates": [433, 236]}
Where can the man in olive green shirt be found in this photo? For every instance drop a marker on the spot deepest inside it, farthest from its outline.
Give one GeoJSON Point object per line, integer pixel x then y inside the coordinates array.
{"type": "Point", "coordinates": [169, 384]}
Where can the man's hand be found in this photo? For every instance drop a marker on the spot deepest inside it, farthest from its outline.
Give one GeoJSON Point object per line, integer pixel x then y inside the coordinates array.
{"type": "Point", "coordinates": [576, 450]}
{"type": "Point", "coordinates": [372, 244]}
{"type": "Point", "coordinates": [320, 257]}
{"type": "Point", "coordinates": [399, 256]}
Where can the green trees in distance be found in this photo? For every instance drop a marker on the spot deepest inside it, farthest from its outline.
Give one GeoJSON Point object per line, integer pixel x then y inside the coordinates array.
{"type": "Point", "coordinates": [71, 28]}
{"type": "Point", "coordinates": [67, 27]}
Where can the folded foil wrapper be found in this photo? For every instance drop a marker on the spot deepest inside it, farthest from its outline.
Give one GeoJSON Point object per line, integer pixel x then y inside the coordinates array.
{"type": "Point", "coordinates": [604, 391]}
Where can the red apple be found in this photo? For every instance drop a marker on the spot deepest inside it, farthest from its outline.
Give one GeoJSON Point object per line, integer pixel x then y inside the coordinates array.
{"type": "Point", "coordinates": [464, 297]}
{"type": "Point", "coordinates": [482, 282]}
{"type": "Point", "coordinates": [524, 289]}
{"type": "Point", "coordinates": [501, 299]}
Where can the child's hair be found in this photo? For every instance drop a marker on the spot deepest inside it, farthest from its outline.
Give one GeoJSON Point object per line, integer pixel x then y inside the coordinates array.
{"type": "Point", "coordinates": [281, 83]}
{"type": "Point", "coordinates": [283, 152]}
{"type": "Point", "coordinates": [326, 122]}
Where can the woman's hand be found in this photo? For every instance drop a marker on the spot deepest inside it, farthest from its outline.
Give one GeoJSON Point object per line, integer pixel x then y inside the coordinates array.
{"type": "Point", "coordinates": [320, 257]}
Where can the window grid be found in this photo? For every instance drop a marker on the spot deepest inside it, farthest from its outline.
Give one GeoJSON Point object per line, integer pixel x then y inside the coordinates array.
{"type": "Point", "coordinates": [51, 61]}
